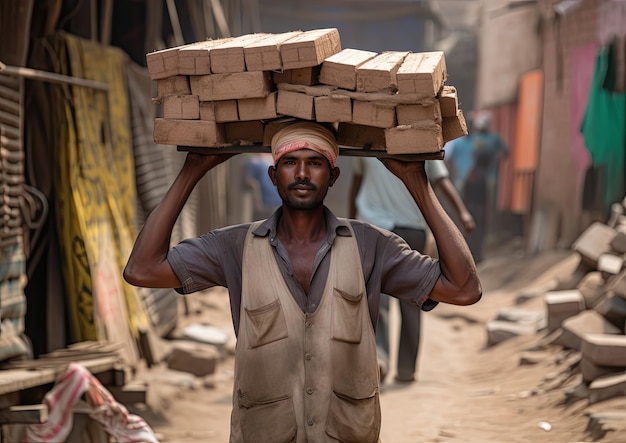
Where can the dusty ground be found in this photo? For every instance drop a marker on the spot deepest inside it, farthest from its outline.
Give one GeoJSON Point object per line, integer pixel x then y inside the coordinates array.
{"type": "Point", "coordinates": [466, 391]}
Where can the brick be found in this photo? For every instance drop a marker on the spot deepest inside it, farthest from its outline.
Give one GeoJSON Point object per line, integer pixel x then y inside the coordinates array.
{"type": "Point", "coordinates": [605, 349]}
{"type": "Point", "coordinates": [454, 127]}
{"type": "Point", "coordinates": [192, 358]}
{"type": "Point", "coordinates": [237, 85]}
{"type": "Point", "coordinates": [335, 108]}
{"type": "Point", "coordinates": [587, 322]}
{"type": "Point", "coordinates": [379, 73]}
{"type": "Point", "coordinates": [613, 308]}
{"type": "Point", "coordinates": [414, 139]}
{"type": "Point", "coordinates": [244, 133]}
{"type": "Point", "coordinates": [229, 56]}
{"type": "Point", "coordinates": [591, 371]}
{"type": "Point", "coordinates": [610, 263]}
{"type": "Point", "coordinates": [359, 136]}
{"type": "Point", "coordinates": [301, 76]}
{"type": "Point", "coordinates": [617, 284]}
{"type": "Point", "coordinates": [162, 64]}
{"type": "Point", "coordinates": [310, 48]}
{"type": "Point", "coordinates": [340, 69]}
{"type": "Point", "coordinates": [264, 54]}
{"type": "Point", "coordinates": [593, 242]}
{"type": "Point", "coordinates": [592, 288]}
{"type": "Point", "coordinates": [185, 107]}
{"type": "Point", "coordinates": [412, 113]}
{"type": "Point", "coordinates": [422, 72]}
{"type": "Point", "coordinates": [220, 111]}
{"type": "Point", "coordinates": [263, 108]}
{"type": "Point", "coordinates": [499, 331]}
{"type": "Point", "coordinates": [194, 59]}
{"type": "Point", "coordinates": [618, 244]}
{"type": "Point", "coordinates": [449, 101]}
{"type": "Point", "coordinates": [607, 387]}
{"type": "Point", "coordinates": [176, 85]}
{"type": "Point", "coordinates": [373, 114]}
{"type": "Point", "coordinates": [295, 104]}
{"type": "Point", "coordinates": [196, 133]}
{"type": "Point", "coordinates": [561, 305]}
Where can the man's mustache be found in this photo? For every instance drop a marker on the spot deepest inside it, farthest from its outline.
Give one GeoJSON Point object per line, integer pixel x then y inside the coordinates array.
{"type": "Point", "coordinates": [305, 183]}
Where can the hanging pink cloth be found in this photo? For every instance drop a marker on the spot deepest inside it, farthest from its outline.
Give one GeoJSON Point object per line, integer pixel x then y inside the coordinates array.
{"type": "Point", "coordinates": [114, 417]}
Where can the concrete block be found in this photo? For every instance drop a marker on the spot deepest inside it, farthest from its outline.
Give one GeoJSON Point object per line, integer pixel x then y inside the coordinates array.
{"type": "Point", "coordinates": [577, 327]}
{"type": "Point", "coordinates": [454, 127]}
{"type": "Point", "coordinates": [591, 371]}
{"type": "Point", "coordinates": [194, 59]}
{"type": "Point", "coordinates": [449, 101]}
{"type": "Point", "coordinates": [593, 242]}
{"type": "Point", "coordinates": [244, 133]}
{"type": "Point", "coordinates": [617, 284]}
{"type": "Point", "coordinates": [301, 76]}
{"type": "Point", "coordinates": [219, 111]}
{"type": "Point", "coordinates": [414, 139]}
{"type": "Point", "coordinates": [193, 358]}
{"type": "Point", "coordinates": [359, 136]}
{"type": "Point", "coordinates": [422, 73]}
{"type": "Point", "coordinates": [176, 85]}
{"type": "Point", "coordinates": [613, 308]}
{"type": "Point", "coordinates": [216, 87]}
{"type": "Point", "coordinates": [610, 263]}
{"type": "Point", "coordinates": [618, 244]}
{"type": "Point", "coordinates": [605, 349]}
{"type": "Point", "coordinates": [529, 317]}
{"type": "Point", "coordinates": [412, 113]}
{"type": "Point", "coordinates": [592, 288]}
{"type": "Point", "coordinates": [229, 56]}
{"type": "Point", "coordinates": [499, 331]}
{"type": "Point", "coordinates": [607, 387]}
{"type": "Point", "coordinates": [561, 305]}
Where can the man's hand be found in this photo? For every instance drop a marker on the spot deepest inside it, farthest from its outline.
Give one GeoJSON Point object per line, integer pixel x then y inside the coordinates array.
{"type": "Point", "coordinates": [468, 221]}
{"type": "Point", "coordinates": [405, 171]}
{"type": "Point", "coordinates": [206, 162]}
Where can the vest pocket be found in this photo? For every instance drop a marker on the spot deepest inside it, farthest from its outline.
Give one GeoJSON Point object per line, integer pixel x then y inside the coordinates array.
{"type": "Point", "coordinates": [272, 420]}
{"type": "Point", "coordinates": [354, 420]}
{"type": "Point", "coordinates": [266, 324]}
{"type": "Point", "coordinates": [346, 316]}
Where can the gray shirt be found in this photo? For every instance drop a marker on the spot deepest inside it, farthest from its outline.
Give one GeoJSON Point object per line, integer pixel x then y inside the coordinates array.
{"type": "Point", "coordinates": [389, 264]}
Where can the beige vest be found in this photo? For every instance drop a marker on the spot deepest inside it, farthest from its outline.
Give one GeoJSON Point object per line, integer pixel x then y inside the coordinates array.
{"type": "Point", "coordinates": [304, 377]}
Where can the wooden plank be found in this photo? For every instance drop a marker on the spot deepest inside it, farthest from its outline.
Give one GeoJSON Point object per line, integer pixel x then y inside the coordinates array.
{"type": "Point", "coordinates": [264, 54]}
{"type": "Point", "coordinates": [340, 69]}
{"type": "Point", "coordinates": [26, 414]}
{"type": "Point", "coordinates": [310, 48]}
{"type": "Point", "coordinates": [379, 73]}
{"type": "Point", "coordinates": [422, 72]}
{"type": "Point", "coordinates": [237, 85]}
{"type": "Point", "coordinates": [229, 56]}
{"type": "Point", "coordinates": [343, 150]}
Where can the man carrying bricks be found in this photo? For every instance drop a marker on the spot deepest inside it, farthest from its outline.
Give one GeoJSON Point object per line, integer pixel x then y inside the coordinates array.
{"type": "Point", "coordinates": [304, 289]}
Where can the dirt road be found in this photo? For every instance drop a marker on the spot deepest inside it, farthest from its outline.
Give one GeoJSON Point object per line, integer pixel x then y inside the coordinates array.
{"type": "Point", "coordinates": [466, 392]}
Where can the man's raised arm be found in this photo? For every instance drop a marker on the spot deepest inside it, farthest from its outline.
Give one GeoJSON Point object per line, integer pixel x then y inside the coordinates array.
{"type": "Point", "coordinates": [459, 283]}
{"type": "Point", "coordinates": [147, 265]}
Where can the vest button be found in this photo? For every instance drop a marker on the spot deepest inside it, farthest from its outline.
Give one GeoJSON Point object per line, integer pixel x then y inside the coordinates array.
{"type": "Point", "coordinates": [309, 391]}
{"type": "Point", "coordinates": [307, 324]}
{"type": "Point", "coordinates": [308, 356]}
{"type": "Point", "coordinates": [309, 422]}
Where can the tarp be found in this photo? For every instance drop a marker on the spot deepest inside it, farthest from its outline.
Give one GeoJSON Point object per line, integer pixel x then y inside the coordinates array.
{"type": "Point", "coordinates": [96, 195]}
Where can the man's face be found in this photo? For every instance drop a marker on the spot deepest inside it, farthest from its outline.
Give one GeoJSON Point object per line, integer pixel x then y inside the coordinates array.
{"type": "Point", "coordinates": [302, 178]}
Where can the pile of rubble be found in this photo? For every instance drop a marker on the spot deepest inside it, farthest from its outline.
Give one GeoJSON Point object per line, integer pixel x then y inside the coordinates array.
{"type": "Point", "coordinates": [585, 315]}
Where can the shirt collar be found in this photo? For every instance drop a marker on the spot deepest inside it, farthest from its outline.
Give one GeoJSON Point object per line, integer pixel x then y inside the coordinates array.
{"type": "Point", "coordinates": [335, 226]}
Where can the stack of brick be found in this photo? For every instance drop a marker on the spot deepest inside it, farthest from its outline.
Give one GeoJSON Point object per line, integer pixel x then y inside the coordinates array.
{"type": "Point", "coordinates": [238, 91]}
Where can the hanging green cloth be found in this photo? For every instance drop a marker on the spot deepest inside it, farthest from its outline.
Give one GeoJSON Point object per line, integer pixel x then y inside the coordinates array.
{"type": "Point", "coordinates": [604, 131]}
